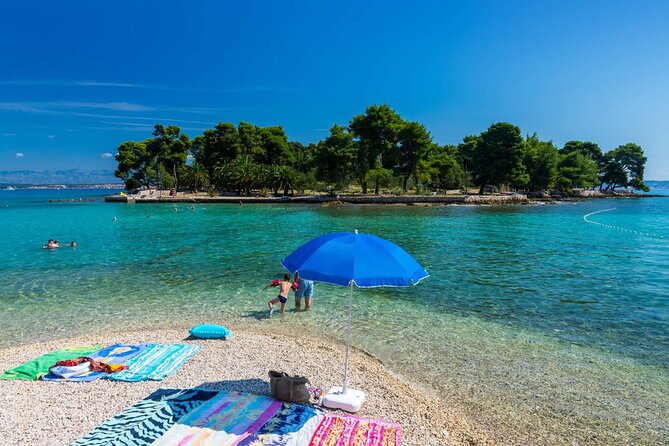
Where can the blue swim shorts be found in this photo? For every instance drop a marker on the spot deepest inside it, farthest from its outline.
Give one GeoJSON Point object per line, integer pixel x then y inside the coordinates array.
{"type": "Point", "coordinates": [305, 288]}
{"type": "Point", "coordinates": [282, 299]}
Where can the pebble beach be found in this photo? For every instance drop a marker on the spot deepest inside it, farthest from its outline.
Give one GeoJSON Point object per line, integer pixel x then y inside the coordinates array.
{"type": "Point", "coordinates": [44, 413]}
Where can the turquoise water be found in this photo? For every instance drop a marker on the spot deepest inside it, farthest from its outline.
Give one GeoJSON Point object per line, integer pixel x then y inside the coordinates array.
{"type": "Point", "coordinates": [532, 319]}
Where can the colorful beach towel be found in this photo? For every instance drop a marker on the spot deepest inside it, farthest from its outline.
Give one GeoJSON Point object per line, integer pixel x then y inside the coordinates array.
{"type": "Point", "coordinates": [292, 425]}
{"type": "Point", "coordinates": [349, 430]}
{"type": "Point", "coordinates": [38, 367]}
{"type": "Point", "coordinates": [146, 421]}
{"type": "Point", "coordinates": [197, 417]}
{"type": "Point", "coordinates": [155, 362]}
{"type": "Point", "coordinates": [114, 354]}
{"type": "Point", "coordinates": [224, 420]}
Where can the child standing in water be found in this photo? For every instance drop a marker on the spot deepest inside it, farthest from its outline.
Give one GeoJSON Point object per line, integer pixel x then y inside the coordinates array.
{"type": "Point", "coordinates": [285, 286]}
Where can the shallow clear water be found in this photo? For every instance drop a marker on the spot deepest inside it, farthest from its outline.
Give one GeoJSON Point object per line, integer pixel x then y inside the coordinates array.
{"type": "Point", "coordinates": [532, 318]}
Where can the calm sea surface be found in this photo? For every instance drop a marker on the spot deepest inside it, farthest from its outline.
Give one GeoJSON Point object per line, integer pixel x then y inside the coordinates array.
{"type": "Point", "coordinates": [532, 318]}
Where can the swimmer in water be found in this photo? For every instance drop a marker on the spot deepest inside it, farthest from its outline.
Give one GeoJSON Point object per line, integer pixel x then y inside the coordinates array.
{"type": "Point", "coordinates": [51, 244]}
{"type": "Point", "coordinates": [72, 244]}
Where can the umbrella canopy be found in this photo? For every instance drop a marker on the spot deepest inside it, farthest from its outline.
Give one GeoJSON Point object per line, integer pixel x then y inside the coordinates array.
{"type": "Point", "coordinates": [342, 258]}
{"type": "Point", "coordinates": [347, 258]}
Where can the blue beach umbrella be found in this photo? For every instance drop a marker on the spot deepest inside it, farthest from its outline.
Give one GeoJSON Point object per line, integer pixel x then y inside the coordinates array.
{"type": "Point", "coordinates": [348, 258]}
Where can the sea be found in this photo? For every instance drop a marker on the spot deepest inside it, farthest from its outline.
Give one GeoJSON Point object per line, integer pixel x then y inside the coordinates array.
{"type": "Point", "coordinates": [542, 321]}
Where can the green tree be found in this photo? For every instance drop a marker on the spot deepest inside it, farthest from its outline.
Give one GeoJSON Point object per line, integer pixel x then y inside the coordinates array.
{"type": "Point", "coordinates": [136, 166]}
{"type": "Point", "coordinates": [576, 170]}
{"type": "Point", "coordinates": [441, 169]}
{"type": "Point", "coordinates": [170, 148]}
{"type": "Point", "coordinates": [590, 149]}
{"type": "Point", "coordinates": [197, 176]}
{"type": "Point", "coordinates": [275, 147]}
{"type": "Point", "coordinates": [465, 154]}
{"type": "Point", "coordinates": [219, 145]}
{"type": "Point", "coordinates": [335, 157]}
{"type": "Point", "coordinates": [585, 147]}
{"type": "Point", "coordinates": [541, 160]}
{"type": "Point", "coordinates": [497, 156]}
{"type": "Point", "coordinates": [625, 166]}
{"type": "Point", "coordinates": [415, 144]}
{"type": "Point", "coordinates": [281, 177]}
{"type": "Point", "coordinates": [303, 155]}
{"type": "Point", "coordinates": [376, 135]}
{"type": "Point", "coordinates": [250, 141]}
{"type": "Point", "coordinates": [242, 174]}
{"type": "Point", "coordinates": [380, 177]}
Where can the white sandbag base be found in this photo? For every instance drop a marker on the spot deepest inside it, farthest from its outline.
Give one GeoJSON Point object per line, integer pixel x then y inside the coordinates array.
{"type": "Point", "coordinates": [351, 401]}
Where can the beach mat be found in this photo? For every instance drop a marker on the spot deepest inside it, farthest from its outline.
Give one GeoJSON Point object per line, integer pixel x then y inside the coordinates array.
{"type": "Point", "coordinates": [114, 354]}
{"type": "Point", "coordinates": [189, 417]}
{"type": "Point", "coordinates": [155, 362]}
{"type": "Point", "coordinates": [34, 369]}
{"type": "Point", "coordinates": [243, 419]}
{"type": "Point", "coordinates": [349, 430]}
{"type": "Point", "coordinates": [144, 422]}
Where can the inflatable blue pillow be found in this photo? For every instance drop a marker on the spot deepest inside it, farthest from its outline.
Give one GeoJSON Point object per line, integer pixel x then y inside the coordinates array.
{"type": "Point", "coordinates": [209, 331]}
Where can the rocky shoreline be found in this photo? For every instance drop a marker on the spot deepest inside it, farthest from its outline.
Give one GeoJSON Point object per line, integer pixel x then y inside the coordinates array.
{"type": "Point", "coordinates": [67, 411]}
{"type": "Point", "coordinates": [329, 200]}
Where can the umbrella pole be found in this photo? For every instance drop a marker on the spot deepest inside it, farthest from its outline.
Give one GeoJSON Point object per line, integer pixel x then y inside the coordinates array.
{"type": "Point", "coordinates": [348, 337]}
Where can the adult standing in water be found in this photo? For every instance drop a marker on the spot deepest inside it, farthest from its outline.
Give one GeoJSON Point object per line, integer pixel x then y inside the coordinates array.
{"type": "Point", "coordinates": [305, 288]}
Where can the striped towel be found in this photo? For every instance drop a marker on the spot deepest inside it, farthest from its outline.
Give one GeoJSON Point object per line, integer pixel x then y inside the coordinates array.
{"type": "Point", "coordinates": [156, 362]}
{"type": "Point", "coordinates": [349, 430]}
{"type": "Point", "coordinates": [145, 421]}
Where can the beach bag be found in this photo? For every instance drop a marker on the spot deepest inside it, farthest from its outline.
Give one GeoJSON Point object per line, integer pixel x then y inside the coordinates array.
{"type": "Point", "coordinates": [289, 388]}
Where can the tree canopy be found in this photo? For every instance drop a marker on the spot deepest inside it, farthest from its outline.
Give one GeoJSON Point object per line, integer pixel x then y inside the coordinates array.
{"type": "Point", "coordinates": [497, 155]}
{"type": "Point", "coordinates": [377, 147]}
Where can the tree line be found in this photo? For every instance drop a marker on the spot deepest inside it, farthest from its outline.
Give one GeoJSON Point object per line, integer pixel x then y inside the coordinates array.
{"type": "Point", "coordinates": [375, 149]}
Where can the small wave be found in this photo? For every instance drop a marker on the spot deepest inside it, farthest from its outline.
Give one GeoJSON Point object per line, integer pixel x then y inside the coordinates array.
{"type": "Point", "coordinates": [575, 301]}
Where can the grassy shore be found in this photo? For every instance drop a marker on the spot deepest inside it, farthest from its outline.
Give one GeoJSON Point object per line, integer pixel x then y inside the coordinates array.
{"type": "Point", "coordinates": [67, 411]}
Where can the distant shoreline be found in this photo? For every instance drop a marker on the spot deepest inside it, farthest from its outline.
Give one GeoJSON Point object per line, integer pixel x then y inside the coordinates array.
{"type": "Point", "coordinates": [327, 200]}
{"type": "Point", "coordinates": [53, 186]}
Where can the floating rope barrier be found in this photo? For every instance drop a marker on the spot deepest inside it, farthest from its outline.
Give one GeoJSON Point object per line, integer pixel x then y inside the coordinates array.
{"type": "Point", "coordinates": [617, 228]}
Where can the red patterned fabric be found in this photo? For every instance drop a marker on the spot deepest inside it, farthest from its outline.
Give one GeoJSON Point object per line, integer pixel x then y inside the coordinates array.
{"type": "Point", "coordinates": [96, 366]}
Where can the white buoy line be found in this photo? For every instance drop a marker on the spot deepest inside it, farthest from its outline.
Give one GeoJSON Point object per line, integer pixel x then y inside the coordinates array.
{"type": "Point", "coordinates": [617, 228]}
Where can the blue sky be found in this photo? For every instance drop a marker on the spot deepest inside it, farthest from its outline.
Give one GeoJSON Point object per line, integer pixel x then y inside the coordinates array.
{"type": "Point", "coordinates": [79, 78]}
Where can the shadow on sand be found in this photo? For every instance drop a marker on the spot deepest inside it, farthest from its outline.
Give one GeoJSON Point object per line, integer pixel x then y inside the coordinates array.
{"type": "Point", "coordinates": [251, 385]}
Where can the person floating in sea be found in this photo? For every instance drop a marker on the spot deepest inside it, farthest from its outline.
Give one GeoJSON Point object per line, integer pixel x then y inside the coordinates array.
{"type": "Point", "coordinates": [72, 244]}
{"type": "Point", "coordinates": [305, 288]}
{"type": "Point", "coordinates": [114, 218]}
{"type": "Point", "coordinates": [51, 244]}
{"type": "Point", "coordinates": [285, 286]}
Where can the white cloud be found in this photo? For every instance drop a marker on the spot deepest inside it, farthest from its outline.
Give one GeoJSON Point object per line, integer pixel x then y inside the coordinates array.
{"type": "Point", "coordinates": [106, 155]}
{"type": "Point", "coordinates": [51, 136]}
{"type": "Point", "coordinates": [244, 89]}
{"type": "Point", "coordinates": [60, 106]}
{"type": "Point", "coordinates": [19, 154]}
{"type": "Point", "coordinates": [121, 106]}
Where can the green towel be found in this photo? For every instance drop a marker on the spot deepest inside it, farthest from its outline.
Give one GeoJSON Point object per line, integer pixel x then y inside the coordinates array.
{"type": "Point", "coordinates": [32, 370]}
